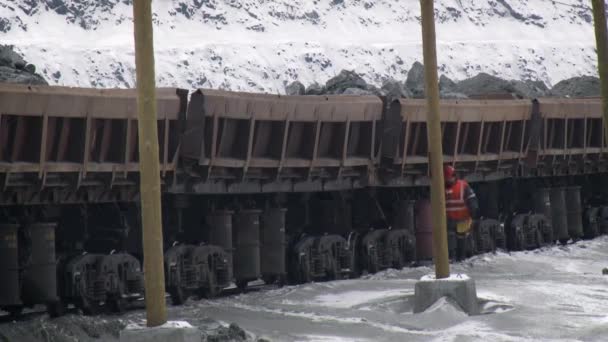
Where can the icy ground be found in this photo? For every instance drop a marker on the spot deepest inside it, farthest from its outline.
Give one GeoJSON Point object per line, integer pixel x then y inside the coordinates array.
{"type": "Point", "coordinates": [261, 45]}
{"type": "Point", "coordinates": [552, 294]}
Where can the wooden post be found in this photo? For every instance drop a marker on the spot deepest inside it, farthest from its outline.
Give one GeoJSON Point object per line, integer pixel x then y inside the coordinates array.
{"type": "Point", "coordinates": [440, 241]}
{"type": "Point", "coordinates": [149, 165]}
{"type": "Point", "coordinates": [601, 40]}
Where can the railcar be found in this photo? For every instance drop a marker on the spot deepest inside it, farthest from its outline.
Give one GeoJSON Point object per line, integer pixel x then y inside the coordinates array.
{"type": "Point", "coordinates": [273, 188]}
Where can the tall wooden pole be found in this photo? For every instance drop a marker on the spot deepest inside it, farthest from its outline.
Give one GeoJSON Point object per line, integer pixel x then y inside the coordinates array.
{"type": "Point", "coordinates": [601, 40]}
{"type": "Point", "coordinates": [440, 240]}
{"type": "Point", "coordinates": [149, 169]}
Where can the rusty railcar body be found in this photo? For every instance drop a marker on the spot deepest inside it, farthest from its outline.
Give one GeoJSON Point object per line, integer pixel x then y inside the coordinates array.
{"type": "Point", "coordinates": [257, 143]}
{"type": "Point", "coordinates": [332, 166]}
{"type": "Point", "coordinates": [72, 145]}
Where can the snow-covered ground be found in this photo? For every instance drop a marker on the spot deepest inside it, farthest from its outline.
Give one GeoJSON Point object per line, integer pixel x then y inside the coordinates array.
{"type": "Point", "coordinates": [260, 45]}
{"type": "Point", "coordinates": [556, 293]}
{"type": "Point", "coordinates": [552, 294]}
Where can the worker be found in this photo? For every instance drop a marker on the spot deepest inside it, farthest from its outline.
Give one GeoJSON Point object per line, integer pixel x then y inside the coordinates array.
{"type": "Point", "coordinates": [462, 207]}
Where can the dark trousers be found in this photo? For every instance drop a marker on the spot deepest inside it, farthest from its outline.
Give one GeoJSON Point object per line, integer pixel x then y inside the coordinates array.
{"type": "Point", "coordinates": [458, 244]}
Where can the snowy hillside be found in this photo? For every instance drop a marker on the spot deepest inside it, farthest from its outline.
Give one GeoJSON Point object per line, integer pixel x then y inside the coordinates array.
{"type": "Point", "coordinates": [261, 45]}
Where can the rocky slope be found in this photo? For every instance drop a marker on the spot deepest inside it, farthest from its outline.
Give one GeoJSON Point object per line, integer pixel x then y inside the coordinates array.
{"type": "Point", "coordinates": [14, 69]}
{"type": "Point", "coordinates": [260, 45]}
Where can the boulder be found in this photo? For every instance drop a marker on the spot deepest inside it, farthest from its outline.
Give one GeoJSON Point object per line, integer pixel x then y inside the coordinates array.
{"type": "Point", "coordinates": [375, 90]}
{"type": "Point", "coordinates": [395, 89]}
{"type": "Point", "coordinates": [10, 58]}
{"type": "Point", "coordinates": [530, 89]}
{"type": "Point", "coordinates": [295, 88]}
{"type": "Point", "coordinates": [11, 75]}
{"type": "Point", "coordinates": [446, 84]}
{"type": "Point", "coordinates": [345, 80]}
{"type": "Point", "coordinates": [452, 95]}
{"type": "Point", "coordinates": [315, 89]}
{"type": "Point", "coordinates": [14, 69]}
{"type": "Point", "coordinates": [415, 80]}
{"type": "Point", "coordinates": [484, 84]}
{"type": "Point", "coordinates": [577, 87]}
{"type": "Point", "coordinates": [31, 68]}
{"type": "Point", "coordinates": [357, 91]}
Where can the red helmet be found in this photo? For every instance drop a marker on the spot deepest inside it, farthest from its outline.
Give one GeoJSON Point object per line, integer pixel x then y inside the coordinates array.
{"type": "Point", "coordinates": [448, 172]}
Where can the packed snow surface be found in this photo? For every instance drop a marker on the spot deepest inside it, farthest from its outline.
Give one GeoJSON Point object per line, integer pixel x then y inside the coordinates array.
{"type": "Point", "coordinates": [259, 45]}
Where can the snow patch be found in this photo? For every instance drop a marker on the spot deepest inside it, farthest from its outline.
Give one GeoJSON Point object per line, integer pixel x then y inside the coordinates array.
{"type": "Point", "coordinates": [167, 325]}
{"type": "Point", "coordinates": [445, 305]}
{"type": "Point", "coordinates": [351, 299]}
{"type": "Point", "coordinates": [321, 338]}
{"type": "Point", "coordinates": [452, 277]}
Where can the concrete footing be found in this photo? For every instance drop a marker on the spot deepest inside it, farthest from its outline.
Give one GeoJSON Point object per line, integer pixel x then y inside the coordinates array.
{"type": "Point", "coordinates": [459, 287]}
{"type": "Point", "coordinates": [170, 331]}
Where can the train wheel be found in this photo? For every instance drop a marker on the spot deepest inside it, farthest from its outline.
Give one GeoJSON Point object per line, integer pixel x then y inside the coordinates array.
{"type": "Point", "coordinates": [118, 305]}
{"type": "Point", "coordinates": [242, 284]}
{"type": "Point", "coordinates": [178, 297]}
{"type": "Point", "coordinates": [539, 239]}
{"type": "Point", "coordinates": [212, 290]}
{"type": "Point", "coordinates": [270, 279]}
{"type": "Point", "coordinates": [372, 264]}
{"type": "Point", "coordinates": [398, 262]}
{"type": "Point", "coordinates": [56, 309]}
{"type": "Point", "coordinates": [304, 275]}
{"type": "Point", "coordinates": [89, 308]}
{"type": "Point", "coordinates": [14, 311]}
{"type": "Point", "coordinates": [281, 280]}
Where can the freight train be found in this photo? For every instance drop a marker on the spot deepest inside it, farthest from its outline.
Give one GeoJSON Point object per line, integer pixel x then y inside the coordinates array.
{"type": "Point", "coordinates": [274, 188]}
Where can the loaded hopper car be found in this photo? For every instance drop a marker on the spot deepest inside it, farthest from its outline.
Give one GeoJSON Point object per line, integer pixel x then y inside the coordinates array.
{"type": "Point", "coordinates": [273, 188]}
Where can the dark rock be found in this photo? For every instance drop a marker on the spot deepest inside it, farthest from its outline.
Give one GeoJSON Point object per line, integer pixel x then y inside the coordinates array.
{"type": "Point", "coordinates": [357, 91]}
{"type": "Point", "coordinates": [346, 79]}
{"type": "Point", "coordinates": [395, 89]}
{"type": "Point", "coordinates": [577, 87]}
{"type": "Point", "coordinates": [14, 69]}
{"type": "Point", "coordinates": [415, 80]}
{"type": "Point", "coordinates": [315, 89]}
{"type": "Point", "coordinates": [31, 68]}
{"type": "Point", "coordinates": [530, 89]}
{"type": "Point", "coordinates": [375, 90]}
{"type": "Point", "coordinates": [20, 65]}
{"type": "Point", "coordinates": [446, 84]}
{"type": "Point", "coordinates": [10, 58]}
{"type": "Point", "coordinates": [452, 96]}
{"type": "Point", "coordinates": [484, 84]}
{"type": "Point", "coordinates": [10, 75]}
{"type": "Point", "coordinates": [232, 333]}
{"type": "Point", "coordinates": [295, 88]}
{"type": "Point", "coordinates": [605, 271]}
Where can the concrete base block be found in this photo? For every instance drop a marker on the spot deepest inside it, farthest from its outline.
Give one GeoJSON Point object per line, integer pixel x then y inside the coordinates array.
{"type": "Point", "coordinates": [459, 287]}
{"type": "Point", "coordinates": [171, 331]}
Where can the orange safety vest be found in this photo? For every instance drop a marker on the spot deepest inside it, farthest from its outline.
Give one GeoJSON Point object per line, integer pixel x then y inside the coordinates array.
{"type": "Point", "coordinates": [455, 203]}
